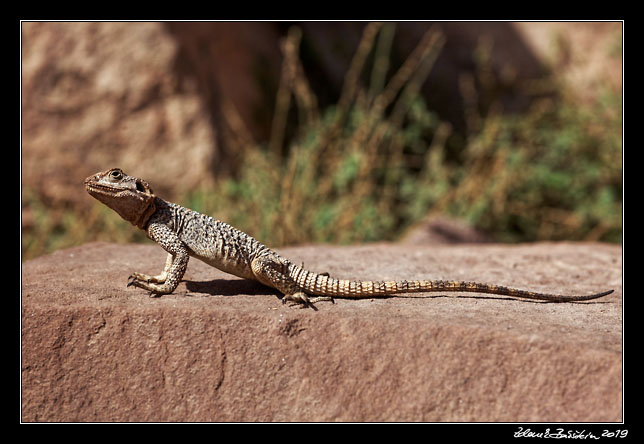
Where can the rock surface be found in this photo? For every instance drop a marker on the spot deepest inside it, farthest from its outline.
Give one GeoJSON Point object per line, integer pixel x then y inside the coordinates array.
{"type": "Point", "coordinates": [226, 349]}
{"type": "Point", "coordinates": [106, 93]}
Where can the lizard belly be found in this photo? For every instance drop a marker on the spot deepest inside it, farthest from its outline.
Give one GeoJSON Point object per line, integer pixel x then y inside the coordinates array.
{"type": "Point", "coordinates": [211, 245]}
{"type": "Point", "coordinates": [230, 265]}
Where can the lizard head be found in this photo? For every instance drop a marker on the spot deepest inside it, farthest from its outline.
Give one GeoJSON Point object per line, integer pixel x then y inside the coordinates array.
{"type": "Point", "coordinates": [131, 197]}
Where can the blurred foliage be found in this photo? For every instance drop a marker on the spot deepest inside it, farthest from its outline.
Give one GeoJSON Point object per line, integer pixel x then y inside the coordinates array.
{"type": "Point", "coordinates": [46, 227]}
{"type": "Point", "coordinates": [379, 160]}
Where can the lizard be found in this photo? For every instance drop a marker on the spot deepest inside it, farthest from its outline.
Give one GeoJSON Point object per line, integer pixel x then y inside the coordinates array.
{"type": "Point", "coordinates": [184, 233]}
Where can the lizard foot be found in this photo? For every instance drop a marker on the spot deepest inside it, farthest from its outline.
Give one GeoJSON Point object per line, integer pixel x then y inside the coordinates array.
{"type": "Point", "coordinates": [136, 280]}
{"type": "Point", "coordinates": [302, 300]}
{"type": "Point", "coordinates": [160, 279]}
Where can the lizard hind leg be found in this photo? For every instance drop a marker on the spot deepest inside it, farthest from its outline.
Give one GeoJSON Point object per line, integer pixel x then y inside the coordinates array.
{"type": "Point", "coordinates": [272, 271]}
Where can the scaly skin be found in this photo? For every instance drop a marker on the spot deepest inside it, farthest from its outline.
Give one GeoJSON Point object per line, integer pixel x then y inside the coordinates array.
{"type": "Point", "coordinates": [183, 233]}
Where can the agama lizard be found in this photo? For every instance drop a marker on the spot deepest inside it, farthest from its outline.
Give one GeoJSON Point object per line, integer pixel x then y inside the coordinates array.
{"type": "Point", "coordinates": [183, 233]}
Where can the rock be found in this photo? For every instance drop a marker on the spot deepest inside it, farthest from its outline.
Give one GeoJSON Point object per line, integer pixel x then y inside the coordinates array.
{"type": "Point", "coordinates": [155, 96]}
{"type": "Point", "coordinates": [587, 55]}
{"type": "Point", "coordinates": [444, 230]}
{"type": "Point", "coordinates": [225, 349]}
{"type": "Point", "coordinates": [99, 95]}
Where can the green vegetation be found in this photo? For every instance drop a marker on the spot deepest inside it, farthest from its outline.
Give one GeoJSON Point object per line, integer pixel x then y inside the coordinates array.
{"type": "Point", "coordinates": [379, 161]}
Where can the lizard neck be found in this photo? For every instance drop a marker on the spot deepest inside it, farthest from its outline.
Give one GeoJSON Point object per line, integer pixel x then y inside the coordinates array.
{"type": "Point", "coordinates": [144, 214]}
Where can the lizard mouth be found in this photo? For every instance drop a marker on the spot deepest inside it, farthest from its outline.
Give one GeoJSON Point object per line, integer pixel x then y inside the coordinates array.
{"type": "Point", "coordinates": [92, 186]}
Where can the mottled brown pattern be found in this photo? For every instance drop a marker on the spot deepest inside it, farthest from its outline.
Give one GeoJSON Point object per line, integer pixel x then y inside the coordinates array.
{"type": "Point", "coordinates": [183, 233]}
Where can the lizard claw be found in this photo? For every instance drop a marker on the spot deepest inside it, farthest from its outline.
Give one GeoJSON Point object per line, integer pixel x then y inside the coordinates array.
{"type": "Point", "coordinates": [302, 299]}
{"type": "Point", "coordinates": [142, 282]}
{"type": "Point", "coordinates": [298, 298]}
{"type": "Point", "coordinates": [135, 280]}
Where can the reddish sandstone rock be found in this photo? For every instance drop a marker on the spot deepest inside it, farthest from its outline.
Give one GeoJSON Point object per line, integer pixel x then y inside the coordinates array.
{"type": "Point", "coordinates": [225, 349]}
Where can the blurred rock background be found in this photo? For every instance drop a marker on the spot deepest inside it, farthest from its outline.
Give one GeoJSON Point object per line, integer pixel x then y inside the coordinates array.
{"type": "Point", "coordinates": [327, 131]}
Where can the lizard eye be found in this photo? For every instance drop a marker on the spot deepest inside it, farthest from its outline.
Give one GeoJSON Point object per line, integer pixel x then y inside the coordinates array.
{"type": "Point", "coordinates": [116, 174]}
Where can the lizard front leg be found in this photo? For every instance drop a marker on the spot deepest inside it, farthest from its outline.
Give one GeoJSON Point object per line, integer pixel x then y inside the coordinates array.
{"type": "Point", "coordinates": [175, 266]}
{"type": "Point", "coordinates": [158, 279]}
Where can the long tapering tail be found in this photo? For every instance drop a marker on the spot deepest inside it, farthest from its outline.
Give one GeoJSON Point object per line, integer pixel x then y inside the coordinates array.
{"type": "Point", "coordinates": [324, 285]}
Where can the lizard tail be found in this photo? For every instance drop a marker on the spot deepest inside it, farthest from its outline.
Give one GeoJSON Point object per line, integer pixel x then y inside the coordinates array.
{"type": "Point", "coordinates": [323, 285]}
